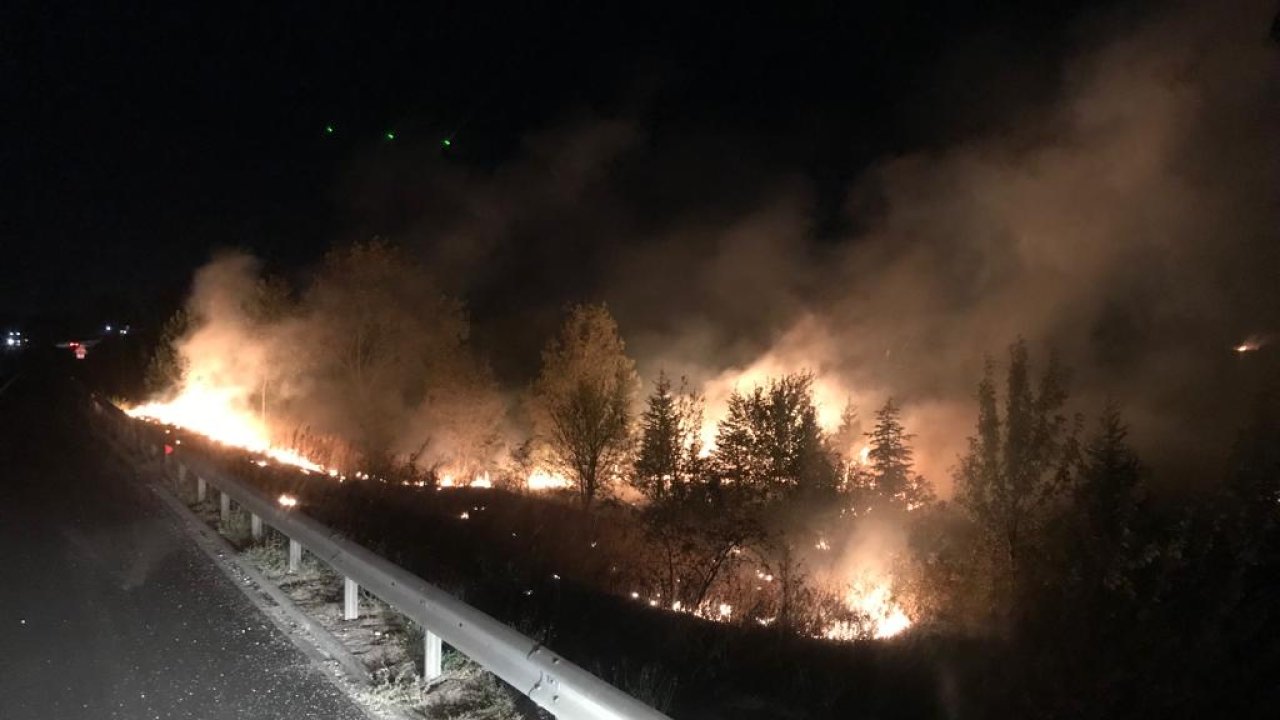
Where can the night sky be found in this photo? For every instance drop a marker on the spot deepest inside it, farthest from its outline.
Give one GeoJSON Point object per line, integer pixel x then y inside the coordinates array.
{"type": "Point", "coordinates": [136, 139]}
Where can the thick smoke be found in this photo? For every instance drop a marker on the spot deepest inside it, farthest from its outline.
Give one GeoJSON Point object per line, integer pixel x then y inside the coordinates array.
{"type": "Point", "coordinates": [1129, 225]}
{"type": "Point", "coordinates": [368, 365]}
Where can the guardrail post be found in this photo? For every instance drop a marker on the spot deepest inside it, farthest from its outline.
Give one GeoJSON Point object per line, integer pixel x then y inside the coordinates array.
{"type": "Point", "coordinates": [225, 509]}
{"type": "Point", "coordinates": [255, 526]}
{"type": "Point", "coordinates": [350, 599]}
{"type": "Point", "coordinates": [432, 667]}
{"type": "Point", "coordinates": [182, 473]}
{"type": "Point", "coordinates": [295, 555]}
{"type": "Point", "coordinates": [202, 489]}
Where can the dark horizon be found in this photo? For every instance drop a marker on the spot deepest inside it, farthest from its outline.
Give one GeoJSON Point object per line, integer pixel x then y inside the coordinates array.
{"type": "Point", "coordinates": [145, 138]}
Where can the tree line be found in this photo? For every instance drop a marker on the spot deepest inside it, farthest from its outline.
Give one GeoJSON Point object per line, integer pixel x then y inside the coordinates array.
{"type": "Point", "coordinates": [1092, 591]}
{"type": "Point", "coordinates": [1098, 594]}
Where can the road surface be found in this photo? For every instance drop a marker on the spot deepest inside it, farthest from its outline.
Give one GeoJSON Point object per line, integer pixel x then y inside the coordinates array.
{"type": "Point", "coordinates": [107, 610]}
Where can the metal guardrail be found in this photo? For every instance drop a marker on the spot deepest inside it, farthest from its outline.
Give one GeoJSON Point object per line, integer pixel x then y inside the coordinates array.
{"type": "Point", "coordinates": [555, 684]}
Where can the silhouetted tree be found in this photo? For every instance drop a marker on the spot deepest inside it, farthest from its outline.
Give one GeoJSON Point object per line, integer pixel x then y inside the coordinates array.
{"type": "Point", "coordinates": [891, 478]}
{"type": "Point", "coordinates": [668, 460]}
{"type": "Point", "coordinates": [582, 399]}
{"type": "Point", "coordinates": [770, 446]}
{"type": "Point", "coordinates": [1017, 465]}
{"type": "Point", "coordinates": [381, 336]}
{"type": "Point", "coordinates": [166, 367]}
{"type": "Point", "coordinates": [1105, 504]}
{"type": "Point", "coordinates": [270, 304]}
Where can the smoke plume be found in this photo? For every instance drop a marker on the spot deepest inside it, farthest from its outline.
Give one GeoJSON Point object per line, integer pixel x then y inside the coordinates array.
{"type": "Point", "coordinates": [1129, 225]}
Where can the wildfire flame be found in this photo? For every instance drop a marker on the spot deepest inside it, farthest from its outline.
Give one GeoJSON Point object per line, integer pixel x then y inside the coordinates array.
{"type": "Point", "coordinates": [218, 414]}
{"type": "Point", "coordinates": [546, 480]}
{"type": "Point", "coordinates": [213, 412]}
{"type": "Point", "coordinates": [875, 602]}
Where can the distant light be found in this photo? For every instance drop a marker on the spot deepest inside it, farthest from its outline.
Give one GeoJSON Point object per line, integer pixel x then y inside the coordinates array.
{"type": "Point", "coordinates": [390, 135]}
{"type": "Point", "coordinates": [328, 129]}
{"type": "Point", "coordinates": [287, 501]}
{"type": "Point", "coordinates": [446, 142]}
{"type": "Point", "coordinates": [108, 328]}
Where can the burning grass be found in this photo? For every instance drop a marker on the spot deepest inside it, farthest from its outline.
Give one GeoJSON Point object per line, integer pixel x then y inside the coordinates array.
{"type": "Point", "coordinates": [564, 577]}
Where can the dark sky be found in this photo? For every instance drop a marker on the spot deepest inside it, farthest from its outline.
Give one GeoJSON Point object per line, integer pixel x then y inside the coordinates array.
{"type": "Point", "coordinates": [138, 137]}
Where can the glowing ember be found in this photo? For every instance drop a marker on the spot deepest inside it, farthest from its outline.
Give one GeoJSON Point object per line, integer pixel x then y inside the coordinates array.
{"type": "Point", "coordinates": [287, 501]}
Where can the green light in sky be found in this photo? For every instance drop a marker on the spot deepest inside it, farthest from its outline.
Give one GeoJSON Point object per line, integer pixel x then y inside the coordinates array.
{"type": "Point", "coordinates": [446, 142]}
{"type": "Point", "coordinates": [390, 135]}
{"type": "Point", "coordinates": [328, 129]}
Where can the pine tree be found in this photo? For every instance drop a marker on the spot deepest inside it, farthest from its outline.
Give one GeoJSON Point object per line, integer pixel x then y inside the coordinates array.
{"type": "Point", "coordinates": [1106, 503]}
{"type": "Point", "coordinates": [668, 441]}
{"type": "Point", "coordinates": [891, 476]}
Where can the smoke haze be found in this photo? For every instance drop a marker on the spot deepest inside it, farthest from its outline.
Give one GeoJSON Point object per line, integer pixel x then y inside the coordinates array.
{"type": "Point", "coordinates": [1129, 224]}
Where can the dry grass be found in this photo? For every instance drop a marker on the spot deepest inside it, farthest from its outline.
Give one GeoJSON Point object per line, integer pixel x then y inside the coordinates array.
{"type": "Point", "coordinates": [389, 645]}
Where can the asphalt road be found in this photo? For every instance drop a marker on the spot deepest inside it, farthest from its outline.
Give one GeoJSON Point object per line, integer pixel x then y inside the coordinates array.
{"type": "Point", "coordinates": [107, 610]}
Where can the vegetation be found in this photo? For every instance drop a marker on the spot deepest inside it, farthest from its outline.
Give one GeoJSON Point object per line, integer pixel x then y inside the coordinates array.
{"type": "Point", "coordinates": [582, 400]}
{"type": "Point", "coordinates": [889, 480]}
{"type": "Point", "coordinates": [167, 366]}
{"type": "Point", "coordinates": [1059, 564]}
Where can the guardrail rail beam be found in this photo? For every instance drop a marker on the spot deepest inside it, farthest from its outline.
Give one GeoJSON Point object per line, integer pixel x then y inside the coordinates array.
{"type": "Point", "coordinates": [552, 682]}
